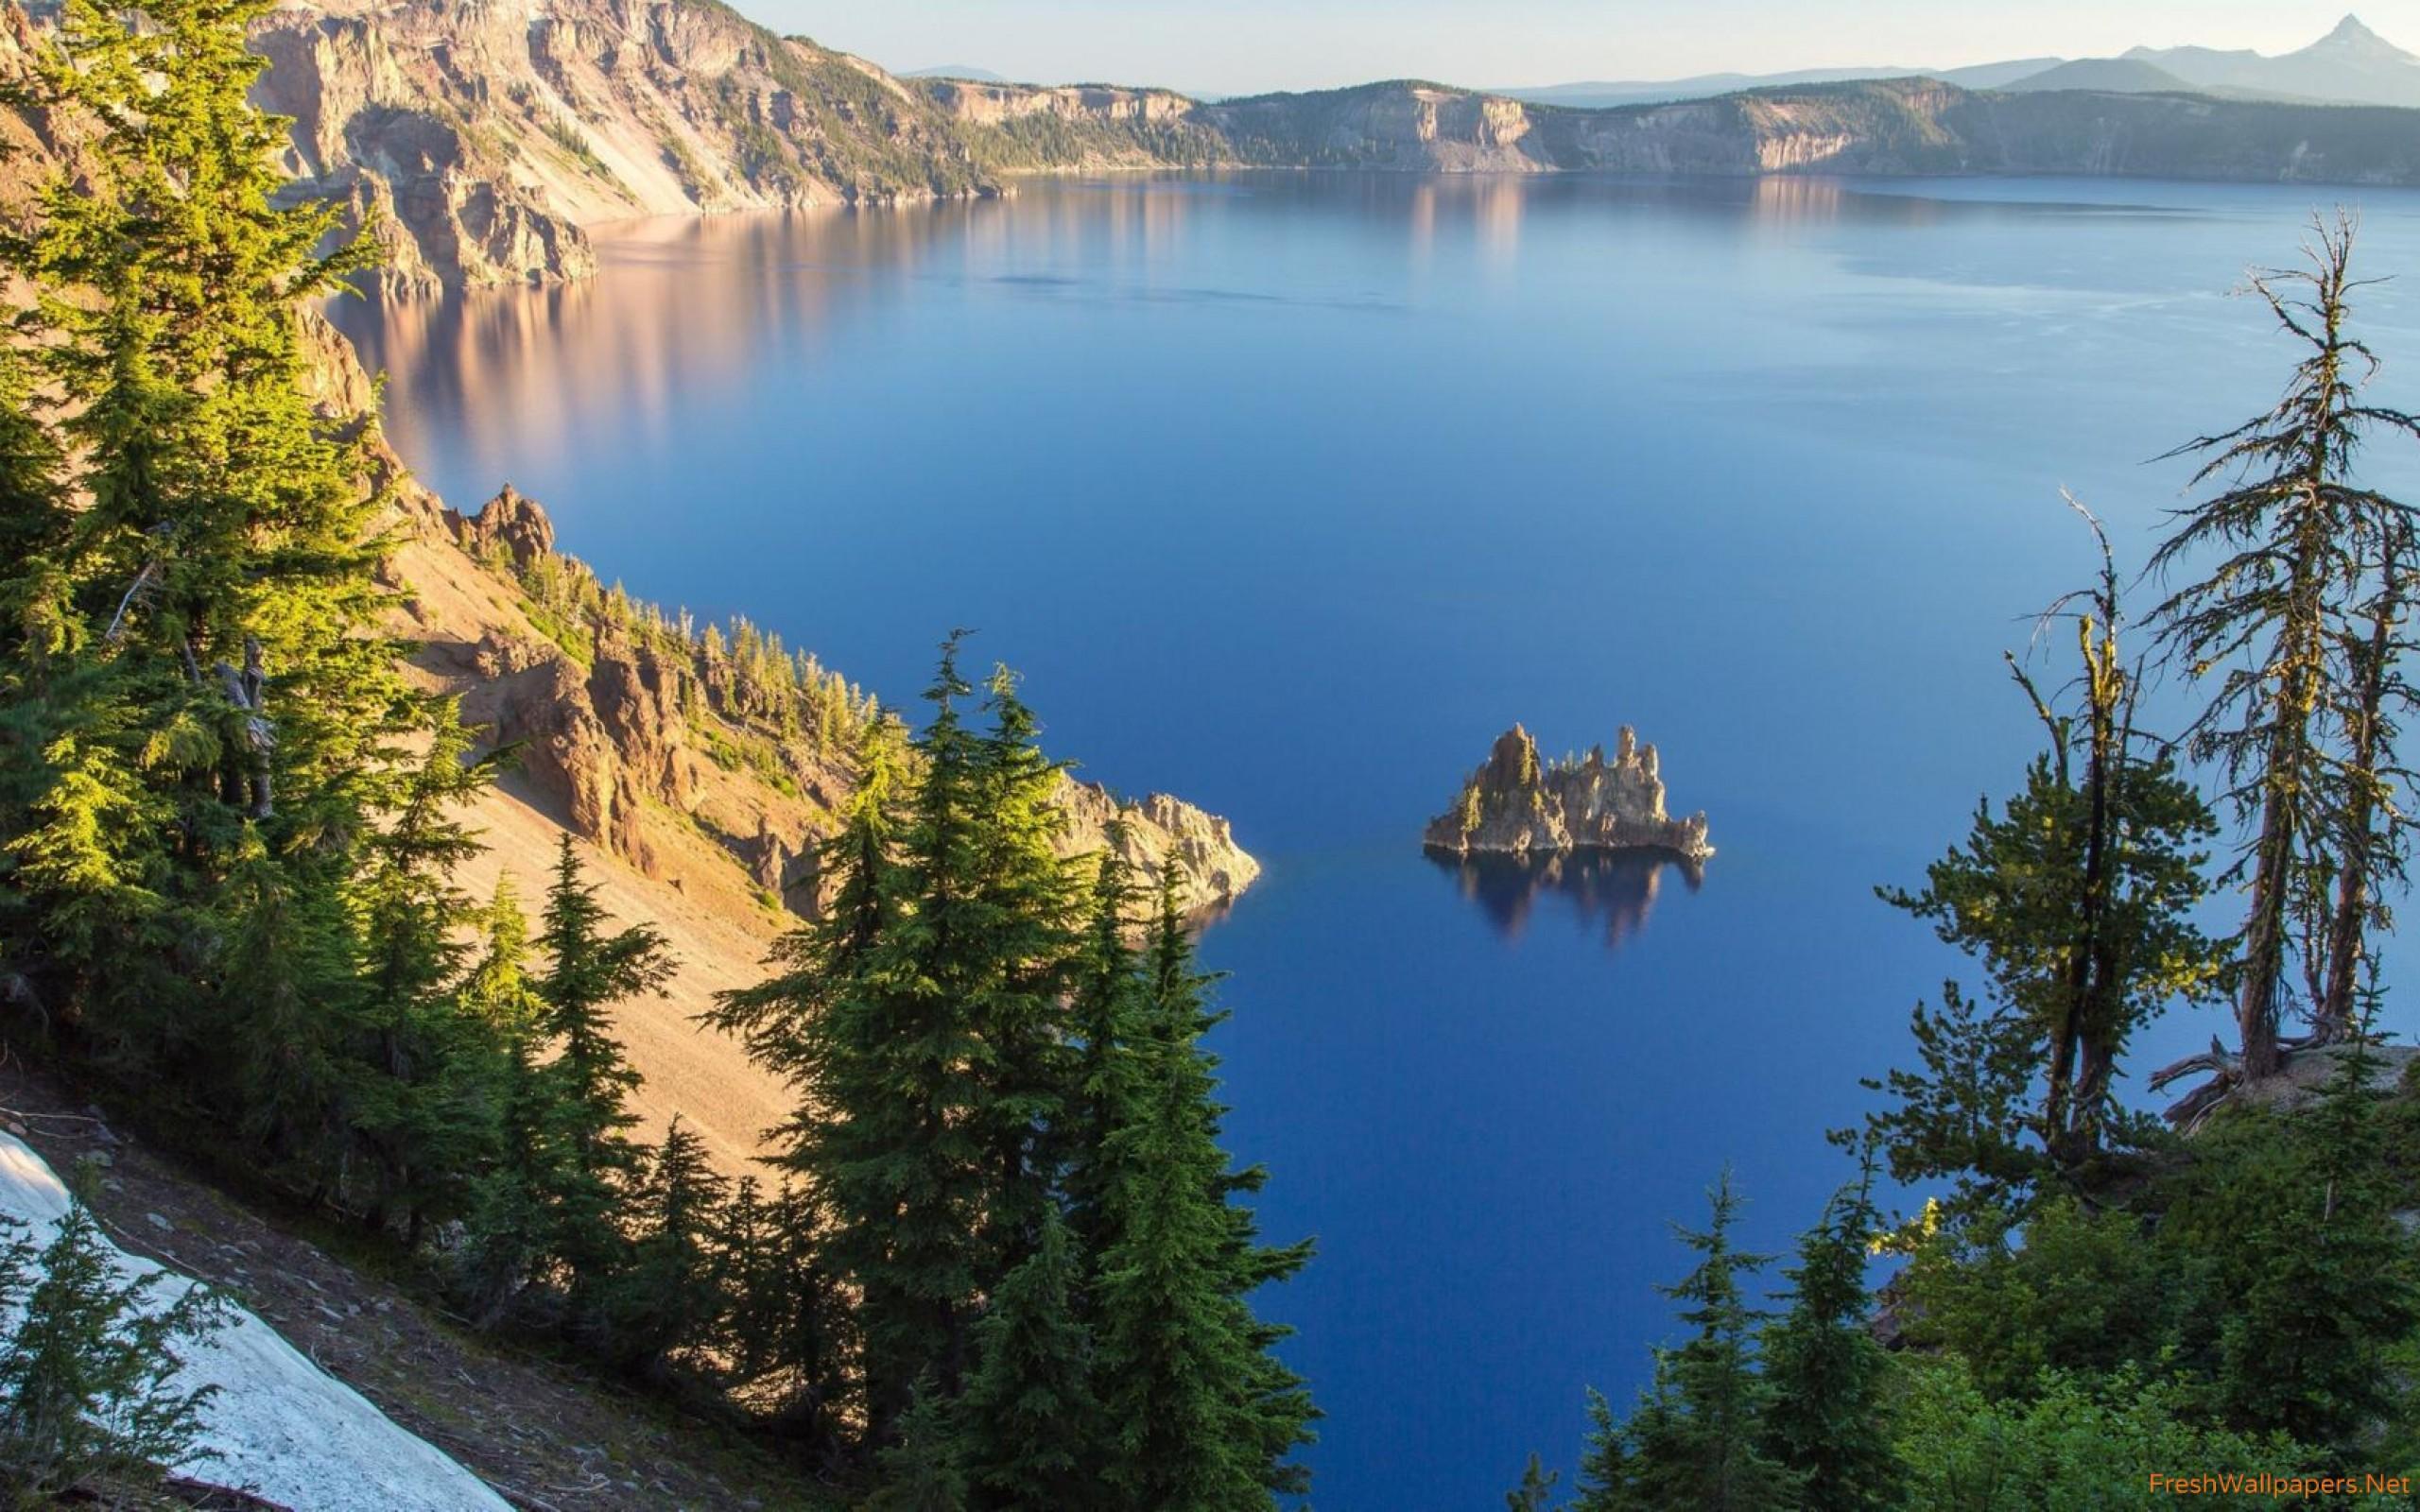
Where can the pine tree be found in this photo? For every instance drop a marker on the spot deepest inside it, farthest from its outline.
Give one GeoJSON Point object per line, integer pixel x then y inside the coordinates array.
{"type": "Point", "coordinates": [223, 510]}
{"type": "Point", "coordinates": [928, 1044]}
{"type": "Point", "coordinates": [876, 1013]}
{"type": "Point", "coordinates": [921, 1472]}
{"type": "Point", "coordinates": [748, 1277]}
{"type": "Point", "coordinates": [1536, 1491]}
{"type": "Point", "coordinates": [811, 1328]}
{"type": "Point", "coordinates": [38, 624]}
{"type": "Point", "coordinates": [587, 1085]}
{"type": "Point", "coordinates": [1106, 1014]}
{"type": "Point", "coordinates": [34, 513]}
{"type": "Point", "coordinates": [39, 631]}
{"type": "Point", "coordinates": [916, 1177]}
{"type": "Point", "coordinates": [1825, 1420]}
{"type": "Point", "coordinates": [781, 1346]}
{"type": "Point", "coordinates": [1020, 944]}
{"type": "Point", "coordinates": [1605, 1481]}
{"type": "Point", "coordinates": [1694, 1437]}
{"type": "Point", "coordinates": [508, 1228]}
{"type": "Point", "coordinates": [2077, 898]}
{"type": "Point", "coordinates": [816, 1020]}
{"type": "Point", "coordinates": [2283, 553]}
{"type": "Point", "coordinates": [1964, 1110]}
{"type": "Point", "coordinates": [1033, 1428]}
{"type": "Point", "coordinates": [498, 991]}
{"type": "Point", "coordinates": [1208, 1415]}
{"type": "Point", "coordinates": [1650, 1460]}
{"type": "Point", "coordinates": [792, 1021]}
{"type": "Point", "coordinates": [670, 1300]}
{"type": "Point", "coordinates": [423, 1103]}
{"type": "Point", "coordinates": [213, 721]}
{"type": "Point", "coordinates": [273, 1043]}
{"type": "Point", "coordinates": [2324, 1281]}
{"type": "Point", "coordinates": [87, 1366]}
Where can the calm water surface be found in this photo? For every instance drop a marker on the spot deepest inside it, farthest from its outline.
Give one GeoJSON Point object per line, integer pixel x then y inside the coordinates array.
{"type": "Point", "coordinates": [1288, 494]}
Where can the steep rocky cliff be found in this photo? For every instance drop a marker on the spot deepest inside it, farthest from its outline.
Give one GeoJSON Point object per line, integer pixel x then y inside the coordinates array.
{"type": "Point", "coordinates": [1013, 128]}
{"type": "Point", "coordinates": [1907, 125]}
{"type": "Point", "coordinates": [696, 768]}
{"type": "Point", "coordinates": [1516, 804]}
{"type": "Point", "coordinates": [476, 136]}
{"type": "Point", "coordinates": [1408, 125]}
{"type": "Point", "coordinates": [646, 734]}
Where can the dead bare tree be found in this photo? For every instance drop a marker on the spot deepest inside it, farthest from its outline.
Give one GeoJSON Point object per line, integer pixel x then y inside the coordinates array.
{"type": "Point", "coordinates": [248, 691]}
{"type": "Point", "coordinates": [2297, 546]}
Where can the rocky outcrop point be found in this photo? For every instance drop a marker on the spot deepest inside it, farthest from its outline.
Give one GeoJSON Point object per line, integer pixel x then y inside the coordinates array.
{"type": "Point", "coordinates": [1212, 870]}
{"type": "Point", "coordinates": [648, 738]}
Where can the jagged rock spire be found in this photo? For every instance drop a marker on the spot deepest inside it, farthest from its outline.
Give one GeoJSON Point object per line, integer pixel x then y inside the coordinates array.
{"type": "Point", "coordinates": [1515, 804]}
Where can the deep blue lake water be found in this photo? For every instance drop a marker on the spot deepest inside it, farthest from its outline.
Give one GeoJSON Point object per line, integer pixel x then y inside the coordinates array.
{"type": "Point", "coordinates": [1288, 494]}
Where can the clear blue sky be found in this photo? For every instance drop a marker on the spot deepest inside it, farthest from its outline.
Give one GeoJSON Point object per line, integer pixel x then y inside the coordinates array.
{"type": "Point", "coordinates": [1234, 46]}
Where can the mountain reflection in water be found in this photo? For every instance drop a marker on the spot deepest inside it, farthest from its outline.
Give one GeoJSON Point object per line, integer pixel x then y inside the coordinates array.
{"type": "Point", "coordinates": [1613, 889]}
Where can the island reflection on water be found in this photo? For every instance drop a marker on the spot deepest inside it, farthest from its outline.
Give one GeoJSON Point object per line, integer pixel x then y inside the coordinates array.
{"type": "Point", "coordinates": [1615, 891]}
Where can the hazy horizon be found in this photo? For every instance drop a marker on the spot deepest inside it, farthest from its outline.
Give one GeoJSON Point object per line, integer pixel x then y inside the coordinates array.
{"type": "Point", "coordinates": [1252, 45]}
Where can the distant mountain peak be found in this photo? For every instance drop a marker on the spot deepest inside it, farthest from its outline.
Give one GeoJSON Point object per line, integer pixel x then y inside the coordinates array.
{"type": "Point", "coordinates": [2352, 38]}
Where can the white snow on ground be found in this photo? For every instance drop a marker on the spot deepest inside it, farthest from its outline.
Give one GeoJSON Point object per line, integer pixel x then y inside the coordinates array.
{"type": "Point", "coordinates": [286, 1429]}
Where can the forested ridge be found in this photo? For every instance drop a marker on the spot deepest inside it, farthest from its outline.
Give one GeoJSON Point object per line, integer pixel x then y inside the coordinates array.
{"type": "Point", "coordinates": [996, 1259]}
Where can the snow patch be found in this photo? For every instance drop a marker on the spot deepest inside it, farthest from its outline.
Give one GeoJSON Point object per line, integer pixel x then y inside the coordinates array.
{"type": "Point", "coordinates": [286, 1430]}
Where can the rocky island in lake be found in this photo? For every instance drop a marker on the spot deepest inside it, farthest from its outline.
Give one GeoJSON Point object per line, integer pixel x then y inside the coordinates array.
{"type": "Point", "coordinates": [1515, 804]}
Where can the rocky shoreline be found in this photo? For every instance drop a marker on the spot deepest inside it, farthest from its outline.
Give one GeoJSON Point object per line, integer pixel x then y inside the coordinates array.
{"type": "Point", "coordinates": [477, 142]}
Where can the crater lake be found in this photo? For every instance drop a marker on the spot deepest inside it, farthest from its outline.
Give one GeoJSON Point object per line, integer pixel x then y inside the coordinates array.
{"type": "Point", "coordinates": [1288, 492]}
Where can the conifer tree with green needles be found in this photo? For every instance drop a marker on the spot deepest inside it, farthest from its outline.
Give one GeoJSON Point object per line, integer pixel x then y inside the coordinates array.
{"type": "Point", "coordinates": [1021, 940]}
{"type": "Point", "coordinates": [424, 1103]}
{"type": "Point", "coordinates": [88, 1396]}
{"type": "Point", "coordinates": [589, 1080]}
{"type": "Point", "coordinates": [1827, 1418]}
{"type": "Point", "coordinates": [670, 1301]}
{"type": "Point", "coordinates": [1105, 1013]}
{"type": "Point", "coordinates": [812, 1022]}
{"type": "Point", "coordinates": [508, 1228]}
{"type": "Point", "coordinates": [212, 749]}
{"type": "Point", "coordinates": [1033, 1428]}
{"type": "Point", "coordinates": [1536, 1491]}
{"type": "Point", "coordinates": [1697, 1435]}
{"type": "Point", "coordinates": [2077, 898]}
{"type": "Point", "coordinates": [1207, 1415]}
